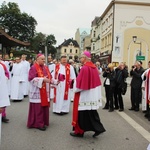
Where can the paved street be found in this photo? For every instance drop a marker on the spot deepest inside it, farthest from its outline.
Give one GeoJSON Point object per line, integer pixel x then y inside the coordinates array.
{"type": "Point", "coordinates": [122, 131]}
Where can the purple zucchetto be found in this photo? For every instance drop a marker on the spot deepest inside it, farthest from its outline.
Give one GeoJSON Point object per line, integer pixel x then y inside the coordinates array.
{"type": "Point", "coordinates": [87, 54]}
{"type": "Point", "coordinates": [38, 55]}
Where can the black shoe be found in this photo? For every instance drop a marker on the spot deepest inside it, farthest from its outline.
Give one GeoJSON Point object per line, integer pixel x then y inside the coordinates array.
{"type": "Point", "coordinates": [5, 120]}
{"type": "Point", "coordinates": [42, 128]}
{"type": "Point", "coordinates": [105, 108]}
{"type": "Point", "coordinates": [110, 110]}
{"type": "Point", "coordinates": [76, 135]}
{"type": "Point", "coordinates": [121, 110]}
{"type": "Point", "coordinates": [136, 109]}
{"type": "Point", "coordinates": [146, 115]}
{"type": "Point", "coordinates": [60, 114]}
{"type": "Point", "coordinates": [131, 108]}
{"type": "Point", "coordinates": [96, 134]}
{"type": "Point", "coordinates": [116, 108]}
{"type": "Point", "coordinates": [144, 111]}
{"type": "Point", "coordinates": [64, 113]}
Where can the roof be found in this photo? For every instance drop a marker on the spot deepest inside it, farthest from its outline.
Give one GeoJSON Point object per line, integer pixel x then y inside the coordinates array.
{"type": "Point", "coordinates": [67, 43]}
{"type": "Point", "coordinates": [8, 40]}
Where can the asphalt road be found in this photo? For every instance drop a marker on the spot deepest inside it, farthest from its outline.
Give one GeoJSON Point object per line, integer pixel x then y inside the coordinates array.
{"type": "Point", "coordinates": [121, 133]}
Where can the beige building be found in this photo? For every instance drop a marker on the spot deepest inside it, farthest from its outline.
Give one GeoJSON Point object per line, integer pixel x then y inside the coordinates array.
{"type": "Point", "coordinates": [87, 42]}
{"type": "Point", "coordinates": [95, 47]}
{"type": "Point", "coordinates": [69, 47]}
{"type": "Point", "coordinates": [80, 35]}
{"type": "Point", "coordinates": [125, 32]}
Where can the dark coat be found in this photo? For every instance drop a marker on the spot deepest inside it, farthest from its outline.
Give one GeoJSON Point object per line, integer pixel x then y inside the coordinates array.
{"type": "Point", "coordinates": [136, 81]}
{"type": "Point", "coordinates": [121, 76]}
{"type": "Point", "coordinates": [111, 76]}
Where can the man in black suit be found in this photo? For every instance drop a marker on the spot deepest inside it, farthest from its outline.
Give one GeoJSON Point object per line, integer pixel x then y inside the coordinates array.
{"type": "Point", "coordinates": [136, 84]}
{"type": "Point", "coordinates": [121, 75]}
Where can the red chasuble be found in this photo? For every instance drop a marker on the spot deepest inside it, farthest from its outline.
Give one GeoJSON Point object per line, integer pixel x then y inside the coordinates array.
{"type": "Point", "coordinates": [67, 70]}
{"type": "Point", "coordinates": [43, 91]}
{"type": "Point", "coordinates": [88, 78]}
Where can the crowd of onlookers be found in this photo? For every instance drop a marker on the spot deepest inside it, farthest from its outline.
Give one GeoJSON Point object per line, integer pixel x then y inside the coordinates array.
{"type": "Point", "coordinates": [116, 85]}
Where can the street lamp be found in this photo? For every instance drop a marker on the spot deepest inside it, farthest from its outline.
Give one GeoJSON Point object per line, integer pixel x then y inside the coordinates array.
{"type": "Point", "coordinates": [140, 43]}
{"type": "Point", "coordinates": [45, 48]}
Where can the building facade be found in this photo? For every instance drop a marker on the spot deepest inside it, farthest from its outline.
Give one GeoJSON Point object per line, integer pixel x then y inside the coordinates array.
{"type": "Point", "coordinates": [80, 35]}
{"type": "Point", "coordinates": [124, 30]}
{"type": "Point", "coordinates": [131, 31]}
{"type": "Point", "coordinates": [69, 48]}
{"type": "Point", "coordinates": [87, 42]}
{"type": "Point", "coordinates": [94, 36]}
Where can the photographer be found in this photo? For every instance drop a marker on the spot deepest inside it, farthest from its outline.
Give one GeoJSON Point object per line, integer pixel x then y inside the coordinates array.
{"type": "Point", "coordinates": [109, 85]}
{"type": "Point", "coordinates": [136, 84]}
{"type": "Point", "coordinates": [121, 75]}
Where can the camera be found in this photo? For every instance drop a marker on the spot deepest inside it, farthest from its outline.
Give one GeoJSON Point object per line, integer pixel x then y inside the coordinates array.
{"type": "Point", "coordinates": [107, 69]}
{"type": "Point", "coordinates": [132, 67]}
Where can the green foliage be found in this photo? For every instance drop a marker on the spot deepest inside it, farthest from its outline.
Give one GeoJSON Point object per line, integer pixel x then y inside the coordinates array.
{"type": "Point", "coordinates": [19, 53]}
{"type": "Point", "coordinates": [40, 39]}
{"type": "Point", "coordinates": [35, 42]}
{"type": "Point", "coordinates": [21, 25]}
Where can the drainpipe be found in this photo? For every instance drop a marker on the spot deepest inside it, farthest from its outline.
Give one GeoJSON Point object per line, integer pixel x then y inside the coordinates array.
{"type": "Point", "coordinates": [113, 29]}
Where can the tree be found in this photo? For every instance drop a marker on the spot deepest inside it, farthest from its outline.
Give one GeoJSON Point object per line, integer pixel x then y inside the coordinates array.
{"type": "Point", "coordinates": [37, 42]}
{"type": "Point", "coordinates": [40, 39]}
{"type": "Point", "coordinates": [21, 25]}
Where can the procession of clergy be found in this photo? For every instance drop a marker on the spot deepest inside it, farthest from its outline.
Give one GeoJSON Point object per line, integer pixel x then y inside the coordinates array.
{"type": "Point", "coordinates": [57, 82]}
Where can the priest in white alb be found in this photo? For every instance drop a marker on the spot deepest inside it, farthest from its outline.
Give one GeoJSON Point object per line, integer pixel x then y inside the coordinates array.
{"type": "Point", "coordinates": [4, 98]}
{"type": "Point", "coordinates": [16, 92]}
{"type": "Point", "coordinates": [146, 92]}
{"type": "Point", "coordinates": [64, 73]}
{"type": "Point", "coordinates": [26, 67]}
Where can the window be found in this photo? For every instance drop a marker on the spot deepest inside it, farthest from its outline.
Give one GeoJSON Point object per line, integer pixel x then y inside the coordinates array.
{"type": "Point", "coordinates": [94, 35]}
{"type": "Point", "coordinates": [76, 51]}
{"type": "Point", "coordinates": [64, 50]}
{"type": "Point", "coordinates": [70, 50]}
{"type": "Point", "coordinates": [93, 46]}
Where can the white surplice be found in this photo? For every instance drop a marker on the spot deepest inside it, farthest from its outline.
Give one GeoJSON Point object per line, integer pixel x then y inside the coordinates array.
{"type": "Point", "coordinates": [62, 105]}
{"type": "Point", "coordinates": [89, 99]}
{"type": "Point", "coordinates": [17, 82]}
{"type": "Point", "coordinates": [4, 98]}
{"type": "Point", "coordinates": [34, 90]}
{"type": "Point", "coordinates": [52, 70]}
{"type": "Point", "coordinates": [144, 102]}
{"type": "Point", "coordinates": [7, 64]}
{"type": "Point", "coordinates": [26, 68]}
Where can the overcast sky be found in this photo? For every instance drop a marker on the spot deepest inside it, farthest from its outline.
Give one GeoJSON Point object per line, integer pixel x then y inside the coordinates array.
{"type": "Point", "coordinates": [62, 17]}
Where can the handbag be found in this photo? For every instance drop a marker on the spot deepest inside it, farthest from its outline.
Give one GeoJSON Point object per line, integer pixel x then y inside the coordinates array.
{"type": "Point", "coordinates": [124, 88]}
